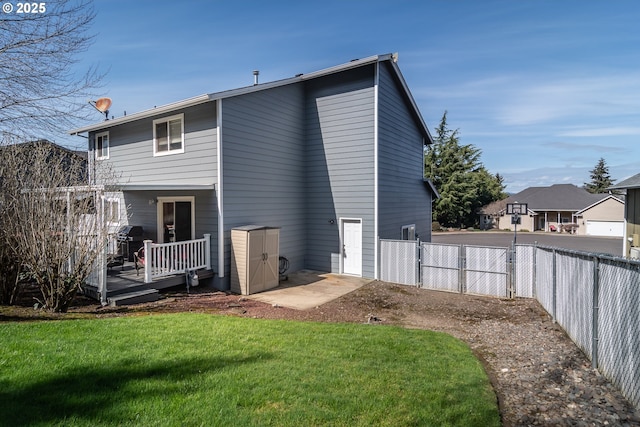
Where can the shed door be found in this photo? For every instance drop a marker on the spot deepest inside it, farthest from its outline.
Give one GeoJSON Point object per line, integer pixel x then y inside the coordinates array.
{"type": "Point", "coordinates": [352, 247]}
{"type": "Point", "coordinates": [255, 253]}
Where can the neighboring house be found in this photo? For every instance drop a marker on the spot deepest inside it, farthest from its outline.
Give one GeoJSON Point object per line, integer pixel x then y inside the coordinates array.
{"type": "Point", "coordinates": [560, 207]}
{"type": "Point", "coordinates": [631, 236]}
{"type": "Point", "coordinates": [334, 158]}
{"type": "Point", "coordinates": [57, 154]}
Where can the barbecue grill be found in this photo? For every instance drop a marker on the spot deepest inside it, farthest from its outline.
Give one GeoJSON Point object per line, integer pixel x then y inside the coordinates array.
{"type": "Point", "coordinates": [130, 238]}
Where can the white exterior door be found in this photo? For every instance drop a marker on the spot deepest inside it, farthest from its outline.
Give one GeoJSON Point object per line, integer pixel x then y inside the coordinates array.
{"type": "Point", "coordinates": [352, 247]}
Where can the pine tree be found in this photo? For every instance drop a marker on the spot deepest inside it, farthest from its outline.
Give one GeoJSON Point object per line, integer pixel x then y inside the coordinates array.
{"type": "Point", "coordinates": [462, 181]}
{"type": "Point", "coordinates": [600, 178]}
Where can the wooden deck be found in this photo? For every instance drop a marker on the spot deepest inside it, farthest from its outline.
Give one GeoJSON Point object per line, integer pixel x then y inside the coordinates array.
{"type": "Point", "coordinates": [122, 281]}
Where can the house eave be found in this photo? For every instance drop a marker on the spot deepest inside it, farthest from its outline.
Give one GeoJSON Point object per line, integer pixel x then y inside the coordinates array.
{"type": "Point", "coordinates": [143, 114]}
{"type": "Point", "coordinates": [432, 187]}
{"type": "Point", "coordinates": [201, 99]}
{"type": "Point", "coordinates": [167, 187]}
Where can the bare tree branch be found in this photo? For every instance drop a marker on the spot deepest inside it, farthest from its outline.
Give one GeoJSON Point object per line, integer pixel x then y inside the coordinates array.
{"type": "Point", "coordinates": [41, 92]}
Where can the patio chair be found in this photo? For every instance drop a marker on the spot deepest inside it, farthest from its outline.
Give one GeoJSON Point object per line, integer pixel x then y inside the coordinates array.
{"type": "Point", "coordinates": [138, 259]}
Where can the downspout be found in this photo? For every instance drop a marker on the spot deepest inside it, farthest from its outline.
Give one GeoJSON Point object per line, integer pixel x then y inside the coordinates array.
{"type": "Point", "coordinates": [219, 190]}
{"type": "Point", "coordinates": [375, 172]}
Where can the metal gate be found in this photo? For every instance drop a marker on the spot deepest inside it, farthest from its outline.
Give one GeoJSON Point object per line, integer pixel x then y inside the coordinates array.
{"type": "Point", "coordinates": [486, 271]}
{"type": "Point", "coordinates": [440, 267]}
{"type": "Point", "coordinates": [399, 261]}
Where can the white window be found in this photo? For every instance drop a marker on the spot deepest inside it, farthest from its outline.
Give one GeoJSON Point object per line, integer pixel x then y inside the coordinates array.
{"type": "Point", "coordinates": [112, 211]}
{"type": "Point", "coordinates": [409, 232]}
{"type": "Point", "coordinates": [168, 135]}
{"type": "Point", "coordinates": [102, 145]}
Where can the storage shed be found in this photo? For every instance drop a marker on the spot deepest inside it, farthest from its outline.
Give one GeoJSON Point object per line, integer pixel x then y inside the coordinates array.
{"type": "Point", "coordinates": [254, 258]}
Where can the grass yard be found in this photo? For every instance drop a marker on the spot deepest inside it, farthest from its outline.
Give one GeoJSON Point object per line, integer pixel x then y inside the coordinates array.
{"type": "Point", "coordinates": [196, 369]}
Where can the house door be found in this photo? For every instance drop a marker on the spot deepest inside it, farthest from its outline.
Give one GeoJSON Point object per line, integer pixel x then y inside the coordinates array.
{"type": "Point", "coordinates": [175, 220]}
{"type": "Point", "coordinates": [352, 247]}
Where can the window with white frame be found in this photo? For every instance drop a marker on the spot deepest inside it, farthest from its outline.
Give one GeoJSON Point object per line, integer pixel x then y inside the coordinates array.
{"type": "Point", "coordinates": [112, 211]}
{"type": "Point", "coordinates": [168, 135]}
{"type": "Point", "coordinates": [409, 232]}
{"type": "Point", "coordinates": [102, 145]}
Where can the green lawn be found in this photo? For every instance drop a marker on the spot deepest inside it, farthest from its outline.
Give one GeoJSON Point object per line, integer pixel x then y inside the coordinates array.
{"type": "Point", "coordinates": [196, 369]}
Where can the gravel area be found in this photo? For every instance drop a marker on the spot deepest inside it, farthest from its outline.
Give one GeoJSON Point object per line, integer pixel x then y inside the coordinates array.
{"type": "Point", "coordinates": [540, 377]}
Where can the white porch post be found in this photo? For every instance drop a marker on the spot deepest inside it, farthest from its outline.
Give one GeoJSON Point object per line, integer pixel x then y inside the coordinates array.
{"type": "Point", "coordinates": [147, 261]}
{"type": "Point", "coordinates": [102, 258]}
{"type": "Point", "coordinates": [207, 250]}
{"type": "Point", "coordinates": [546, 221]}
{"type": "Point", "coordinates": [102, 277]}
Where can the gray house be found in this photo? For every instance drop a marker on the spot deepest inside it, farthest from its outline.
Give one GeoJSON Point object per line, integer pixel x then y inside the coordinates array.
{"type": "Point", "coordinates": [333, 158]}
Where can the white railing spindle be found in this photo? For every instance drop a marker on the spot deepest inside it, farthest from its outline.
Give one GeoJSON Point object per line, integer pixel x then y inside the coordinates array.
{"type": "Point", "coordinates": [168, 259]}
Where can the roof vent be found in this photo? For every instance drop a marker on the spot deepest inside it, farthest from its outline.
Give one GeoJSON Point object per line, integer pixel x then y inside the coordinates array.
{"type": "Point", "coordinates": [256, 73]}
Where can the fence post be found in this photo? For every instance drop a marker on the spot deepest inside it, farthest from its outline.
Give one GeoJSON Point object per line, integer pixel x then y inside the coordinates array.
{"type": "Point", "coordinates": [596, 311]}
{"type": "Point", "coordinates": [554, 286]}
{"type": "Point", "coordinates": [207, 250]}
{"type": "Point", "coordinates": [512, 274]}
{"type": "Point", "coordinates": [148, 260]}
{"type": "Point", "coordinates": [461, 267]}
{"type": "Point", "coordinates": [535, 269]}
{"type": "Point", "coordinates": [418, 275]}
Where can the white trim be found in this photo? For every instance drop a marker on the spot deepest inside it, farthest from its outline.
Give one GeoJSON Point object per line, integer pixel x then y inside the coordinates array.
{"type": "Point", "coordinates": [219, 192]}
{"type": "Point", "coordinates": [166, 187]}
{"type": "Point", "coordinates": [341, 222]}
{"type": "Point", "coordinates": [169, 150]}
{"type": "Point", "coordinates": [159, 213]}
{"type": "Point", "coordinates": [112, 202]}
{"type": "Point", "coordinates": [376, 86]}
{"type": "Point", "coordinates": [95, 145]}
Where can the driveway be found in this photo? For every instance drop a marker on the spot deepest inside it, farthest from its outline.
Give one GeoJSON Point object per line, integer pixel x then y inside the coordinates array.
{"type": "Point", "coordinates": [605, 245]}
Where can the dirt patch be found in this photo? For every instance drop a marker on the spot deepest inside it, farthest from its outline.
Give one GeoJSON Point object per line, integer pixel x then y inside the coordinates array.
{"type": "Point", "coordinates": [539, 375]}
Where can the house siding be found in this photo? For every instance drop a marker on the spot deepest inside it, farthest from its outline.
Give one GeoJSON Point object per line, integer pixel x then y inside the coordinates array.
{"type": "Point", "coordinates": [340, 165]}
{"type": "Point", "coordinates": [263, 165]}
{"type": "Point", "coordinates": [131, 151]}
{"type": "Point", "coordinates": [608, 210]}
{"type": "Point", "coordinates": [404, 198]}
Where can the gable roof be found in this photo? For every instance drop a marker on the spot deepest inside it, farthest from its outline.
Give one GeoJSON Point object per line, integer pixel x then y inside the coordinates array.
{"type": "Point", "coordinates": [632, 182]}
{"type": "Point", "coordinates": [558, 197]}
{"type": "Point", "coordinates": [55, 153]}
{"type": "Point", "coordinates": [609, 196]}
{"type": "Point", "coordinates": [392, 59]}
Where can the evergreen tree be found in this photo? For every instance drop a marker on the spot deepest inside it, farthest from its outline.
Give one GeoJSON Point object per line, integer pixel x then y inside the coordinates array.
{"type": "Point", "coordinates": [600, 178]}
{"type": "Point", "coordinates": [462, 181]}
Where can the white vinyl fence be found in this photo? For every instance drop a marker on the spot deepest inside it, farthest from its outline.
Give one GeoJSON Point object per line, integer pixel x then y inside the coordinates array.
{"type": "Point", "coordinates": [595, 298]}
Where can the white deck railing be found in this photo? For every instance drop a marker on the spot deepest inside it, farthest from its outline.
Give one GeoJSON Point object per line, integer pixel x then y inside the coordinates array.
{"type": "Point", "coordinates": [168, 259]}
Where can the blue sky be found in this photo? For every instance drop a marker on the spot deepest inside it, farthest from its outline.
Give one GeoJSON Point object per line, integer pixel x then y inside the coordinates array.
{"type": "Point", "coordinates": [542, 88]}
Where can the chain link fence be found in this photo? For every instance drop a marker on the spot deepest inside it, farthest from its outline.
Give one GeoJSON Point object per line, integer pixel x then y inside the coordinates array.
{"type": "Point", "coordinates": [399, 261]}
{"type": "Point", "coordinates": [440, 267]}
{"type": "Point", "coordinates": [595, 298]}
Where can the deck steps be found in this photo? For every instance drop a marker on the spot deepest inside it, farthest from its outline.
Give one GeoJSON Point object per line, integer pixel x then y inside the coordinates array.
{"type": "Point", "coordinates": [135, 297]}
{"type": "Point", "coordinates": [125, 286]}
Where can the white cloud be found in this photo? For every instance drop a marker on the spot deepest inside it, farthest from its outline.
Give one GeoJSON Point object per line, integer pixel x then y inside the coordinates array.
{"type": "Point", "coordinates": [603, 131]}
